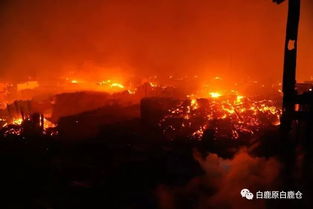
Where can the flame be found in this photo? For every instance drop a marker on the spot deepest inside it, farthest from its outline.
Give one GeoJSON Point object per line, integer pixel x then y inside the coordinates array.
{"type": "Point", "coordinates": [17, 121]}
{"type": "Point", "coordinates": [215, 94]}
{"type": "Point", "coordinates": [239, 99]}
{"type": "Point", "coordinates": [121, 86]}
{"type": "Point", "coordinates": [153, 84]}
{"type": "Point", "coordinates": [48, 124]}
{"type": "Point", "coordinates": [27, 85]}
{"type": "Point", "coordinates": [231, 116]}
{"type": "Point", "coordinates": [110, 85]}
{"type": "Point", "coordinates": [217, 78]}
{"type": "Point", "coordinates": [221, 110]}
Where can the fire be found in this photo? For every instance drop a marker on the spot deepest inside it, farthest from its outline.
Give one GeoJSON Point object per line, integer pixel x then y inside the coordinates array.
{"type": "Point", "coordinates": [8, 129]}
{"type": "Point", "coordinates": [16, 125]}
{"type": "Point", "coordinates": [27, 85]}
{"type": "Point", "coordinates": [215, 94]}
{"type": "Point", "coordinates": [153, 84]}
{"type": "Point", "coordinates": [17, 121]}
{"type": "Point", "coordinates": [131, 91]}
{"type": "Point", "coordinates": [230, 116]}
{"type": "Point", "coordinates": [239, 99]}
{"type": "Point", "coordinates": [48, 124]}
{"type": "Point", "coordinates": [194, 104]}
{"type": "Point", "coordinates": [225, 110]}
{"type": "Point", "coordinates": [118, 85]}
{"type": "Point", "coordinates": [110, 85]}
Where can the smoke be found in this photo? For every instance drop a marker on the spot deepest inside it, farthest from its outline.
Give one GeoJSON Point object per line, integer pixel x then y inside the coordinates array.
{"type": "Point", "coordinates": [221, 185]}
{"type": "Point", "coordinates": [231, 38]}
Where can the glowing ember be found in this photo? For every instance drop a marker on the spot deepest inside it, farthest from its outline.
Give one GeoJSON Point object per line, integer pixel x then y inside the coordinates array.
{"type": "Point", "coordinates": [152, 84]}
{"type": "Point", "coordinates": [16, 126]}
{"type": "Point", "coordinates": [231, 116]}
{"type": "Point", "coordinates": [12, 131]}
{"type": "Point", "coordinates": [130, 91]}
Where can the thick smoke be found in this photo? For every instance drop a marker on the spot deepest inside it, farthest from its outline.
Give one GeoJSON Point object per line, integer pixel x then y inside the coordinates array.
{"type": "Point", "coordinates": [231, 38]}
{"type": "Point", "coordinates": [221, 185]}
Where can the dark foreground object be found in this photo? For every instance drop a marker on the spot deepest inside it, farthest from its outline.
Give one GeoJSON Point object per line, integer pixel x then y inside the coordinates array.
{"type": "Point", "coordinates": [109, 171]}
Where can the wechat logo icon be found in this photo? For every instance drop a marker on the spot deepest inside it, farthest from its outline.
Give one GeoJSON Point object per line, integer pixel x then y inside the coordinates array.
{"type": "Point", "coordinates": [245, 193]}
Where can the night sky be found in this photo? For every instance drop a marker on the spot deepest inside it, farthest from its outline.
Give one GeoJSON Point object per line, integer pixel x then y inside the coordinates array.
{"type": "Point", "coordinates": [229, 38]}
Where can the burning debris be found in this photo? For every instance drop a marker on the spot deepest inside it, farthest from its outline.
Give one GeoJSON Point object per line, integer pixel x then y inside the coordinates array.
{"type": "Point", "coordinates": [34, 124]}
{"type": "Point", "coordinates": [230, 116]}
{"type": "Point", "coordinates": [228, 113]}
{"type": "Point", "coordinates": [111, 84]}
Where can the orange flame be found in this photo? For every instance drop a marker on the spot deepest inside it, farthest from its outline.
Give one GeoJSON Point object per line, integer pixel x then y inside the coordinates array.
{"type": "Point", "coordinates": [215, 94]}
